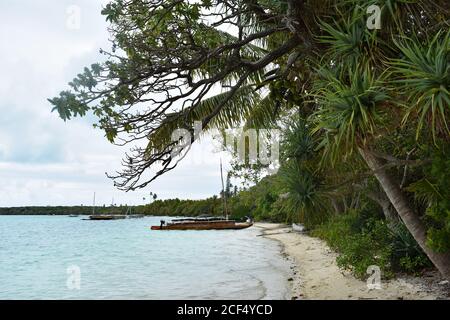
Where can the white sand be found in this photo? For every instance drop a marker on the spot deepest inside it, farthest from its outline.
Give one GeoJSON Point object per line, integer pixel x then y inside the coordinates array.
{"type": "Point", "coordinates": [316, 275]}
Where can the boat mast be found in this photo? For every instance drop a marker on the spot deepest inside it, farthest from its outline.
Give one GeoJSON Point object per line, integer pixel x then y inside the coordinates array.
{"type": "Point", "coordinates": [93, 206]}
{"type": "Point", "coordinates": [223, 192]}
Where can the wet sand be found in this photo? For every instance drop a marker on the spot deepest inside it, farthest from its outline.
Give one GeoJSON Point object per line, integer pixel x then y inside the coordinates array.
{"type": "Point", "coordinates": [315, 274]}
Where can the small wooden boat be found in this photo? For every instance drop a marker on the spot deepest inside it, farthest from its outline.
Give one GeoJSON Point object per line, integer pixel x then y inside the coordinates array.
{"type": "Point", "coordinates": [97, 217]}
{"type": "Point", "coordinates": [202, 224]}
{"type": "Point", "coordinates": [206, 223]}
{"type": "Point", "coordinates": [107, 217]}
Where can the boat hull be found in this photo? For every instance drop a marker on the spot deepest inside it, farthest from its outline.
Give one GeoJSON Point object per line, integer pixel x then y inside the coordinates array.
{"type": "Point", "coordinates": [107, 217]}
{"type": "Point", "coordinates": [210, 225]}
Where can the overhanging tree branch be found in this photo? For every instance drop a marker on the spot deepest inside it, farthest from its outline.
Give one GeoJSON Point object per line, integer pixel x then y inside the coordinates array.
{"type": "Point", "coordinates": [168, 57]}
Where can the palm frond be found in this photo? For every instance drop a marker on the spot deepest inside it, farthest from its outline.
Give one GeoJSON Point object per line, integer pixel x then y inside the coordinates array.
{"type": "Point", "coordinates": [350, 110]}
{"type": "Point", "coordinates": [425, 191]}
{"type": "Point", "coordinates": [234, 112]}
{"type": "Point", "coordinates": [348, 39]}
{"type": "Point", "coordinates": [423, 75]}
{"type": "Point", "coordinates": [298, 142]}
{"type": "Point", "coordinates": [263, 114]}
{"type": "Point", "coordinates": [305, 198]}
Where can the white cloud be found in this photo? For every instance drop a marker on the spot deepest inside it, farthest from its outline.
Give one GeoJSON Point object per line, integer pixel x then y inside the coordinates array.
{"type": "Point", "coordinates": [44, 161]}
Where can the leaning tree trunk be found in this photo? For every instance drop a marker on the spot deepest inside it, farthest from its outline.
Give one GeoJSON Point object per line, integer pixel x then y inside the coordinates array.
{"type": "Point", "coordinates": [390, 214]}
{"type": "Point", "coordinates": [411, 220]}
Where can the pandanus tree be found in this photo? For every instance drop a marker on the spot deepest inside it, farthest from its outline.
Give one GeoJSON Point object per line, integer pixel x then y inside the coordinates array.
{"type": "Point", "coordinates": [306, 193]}
{"type": "Point", "coordinates": [369, 86]}
{"type": "Point", "coordinates": [228, 62]}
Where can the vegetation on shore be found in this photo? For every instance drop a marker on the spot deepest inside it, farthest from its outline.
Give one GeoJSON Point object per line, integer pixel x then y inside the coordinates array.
{"type": "Point", "coordinates": [363, 112]}
{"type": "Point", "coordinates": [62, 210]}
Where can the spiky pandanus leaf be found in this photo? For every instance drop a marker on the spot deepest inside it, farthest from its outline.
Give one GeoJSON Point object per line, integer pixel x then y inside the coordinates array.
{"type": "Point", "coordinates": [423, 76]}
{"type": "Point", "coordinates": [306, 200]}
{"type": "Point", "coordinates": [350, 110]}
{"type": "Point", "coordinates": [297, 142]}
{"type": "Point", "coordinates": [395, 12]}
{"type": "Point", "coordinates": [348, 39]}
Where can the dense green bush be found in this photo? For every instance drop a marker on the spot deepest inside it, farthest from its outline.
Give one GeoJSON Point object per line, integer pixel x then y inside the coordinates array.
{"type": "Point", "coordinates": [407, 256]}
{"type": "Point", "coordinates": [439, 210]}
{"type": "Point", "coordinates": [433, 193]}
{"type": "Point", "coordinates": [363, 240]}
{"type": "Point", "coordinates": [357, 249]}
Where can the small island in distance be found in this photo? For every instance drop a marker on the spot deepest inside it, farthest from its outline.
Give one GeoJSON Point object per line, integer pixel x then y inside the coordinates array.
{"type": "Point", "coordinates": [170, 207]}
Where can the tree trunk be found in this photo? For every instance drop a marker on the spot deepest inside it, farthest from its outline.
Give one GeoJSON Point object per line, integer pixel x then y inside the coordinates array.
{"type": "Point", "coordinates": [338, 206]}
{"type": "Point", "coordinates": [383, 201]}
{"type": "Point", "coordinates": [406, 213]}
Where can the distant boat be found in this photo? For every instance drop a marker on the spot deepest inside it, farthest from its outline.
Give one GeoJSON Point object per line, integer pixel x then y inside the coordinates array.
{"type": "Point", "coordinates": [129, 214]}
{"type": "Point", "coordinates": [206, 223]}
{"type": "Point", "coordinates": [202, 224]}
{"type": "Point", "coordinates": [104, 216]}
{"type": "Point", "coordinates": [107, 217]}
{"type": "Point", "coordinates": [135, 216]}
{"type": "Point", "coordinates": [73, 215]}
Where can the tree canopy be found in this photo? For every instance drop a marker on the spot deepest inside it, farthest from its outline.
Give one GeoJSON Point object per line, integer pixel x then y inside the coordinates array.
{"type": "Point", "coordinates": [370, 106]}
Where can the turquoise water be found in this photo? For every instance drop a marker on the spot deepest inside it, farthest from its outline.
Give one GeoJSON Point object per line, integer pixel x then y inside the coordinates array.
{"type": "Point", "coordinates": [124, 259]}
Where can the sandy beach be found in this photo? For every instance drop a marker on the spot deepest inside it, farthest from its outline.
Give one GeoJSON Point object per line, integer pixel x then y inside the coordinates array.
{"type": "Point", "coordinates": [315, 274]}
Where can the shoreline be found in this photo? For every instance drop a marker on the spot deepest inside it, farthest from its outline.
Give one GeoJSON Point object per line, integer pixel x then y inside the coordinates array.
{"type": "Point", "coordinates": [316, 276]}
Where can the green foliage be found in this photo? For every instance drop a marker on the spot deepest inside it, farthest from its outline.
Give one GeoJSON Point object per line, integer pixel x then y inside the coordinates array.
{"type": "Point", "coordinates": [67, 105]}
{"type": "Point", "coordinates": [407, 256]}
{"type": "Point", "coordinates": [348, 39]}
{"type": "Point", "coordinates": [386, 91]}
{"type": "Point", "coordinates": [413, 264]}
{"type": "Point", "coordinates": [297, 142]}
{"type": "Point", "coordinates": [350, 109]}
{"type": "Point", "coordinates": [189, 208]}
{"type": "Point", "coordinates": [434, 191]}
{"type": "Point", "coordinates": [305, 202]}
{"type": "Point", "coordinates": [261, 200]}
{"type": "Point", "coordinates": [304, 196]}
{"type": "Point", "coordinates": [65, 210]}
{"type": "Point", "coordinates": [424, 78]}
{"type": "Point", "coordinates": [358, 249]}
{"type": "Point", "coordinates": [362, 240]}
{"type": "Point", "coordinates": [235, 111]}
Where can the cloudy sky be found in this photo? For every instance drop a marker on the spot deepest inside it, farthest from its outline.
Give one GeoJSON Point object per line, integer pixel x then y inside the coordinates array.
{"type": "Point", "coordinates": [44, 161]}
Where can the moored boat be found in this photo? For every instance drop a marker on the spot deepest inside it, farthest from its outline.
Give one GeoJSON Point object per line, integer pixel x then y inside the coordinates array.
{"type": "Point", "coordinates": [202, 224]}
{"type": "Point", "coordinates": [135, 216]}
{"type": "Point", "coordinates": [97, 217]}
{"type": "Point", "coordinates": [206, 223]}
{"type": "Point", "coordinates": [107, 217]}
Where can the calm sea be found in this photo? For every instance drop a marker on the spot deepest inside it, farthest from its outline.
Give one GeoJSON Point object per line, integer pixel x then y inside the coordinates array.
{"type": "Point", "coordinates": [59, 257]}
